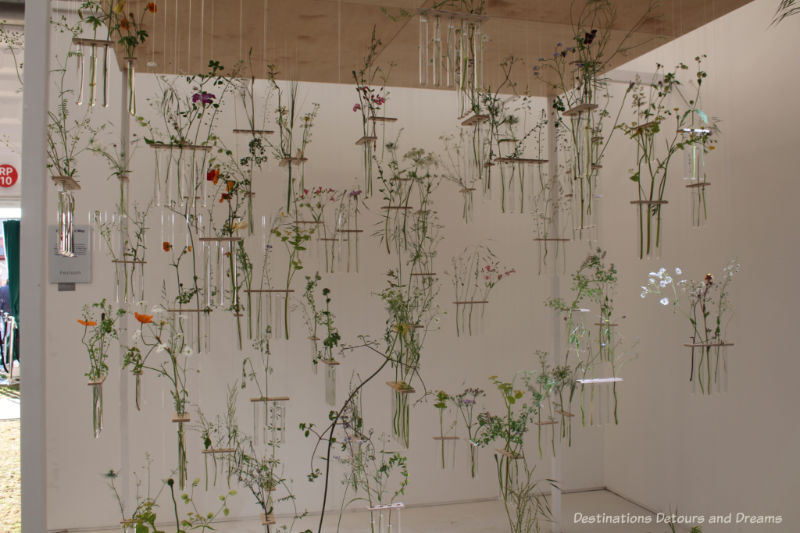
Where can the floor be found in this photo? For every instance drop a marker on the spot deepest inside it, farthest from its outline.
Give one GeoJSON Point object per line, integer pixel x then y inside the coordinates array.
{"type": "Point", "coordinates": [483, 517]}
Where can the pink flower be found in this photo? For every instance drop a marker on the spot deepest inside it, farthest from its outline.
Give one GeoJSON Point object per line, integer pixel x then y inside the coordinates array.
{"type": "Point", "coordinates": [356, 107]}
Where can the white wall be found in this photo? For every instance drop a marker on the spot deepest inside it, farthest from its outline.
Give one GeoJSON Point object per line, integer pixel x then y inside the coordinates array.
{"type": "Point", "coordinates": [734, 452]}
{"type": "Point", "coordinates": [517, 324]}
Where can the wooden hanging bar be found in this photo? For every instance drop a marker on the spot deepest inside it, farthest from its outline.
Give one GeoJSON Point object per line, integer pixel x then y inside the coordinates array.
{"type": "Point", "coordinates": [220, 239]}
{"type": "Point", "coordinates": [383, 119]}
{"type": "Point", "coordinates": [462, 302]}
{"type": "Point", "coordinates": [578, 109]}
{"type": "Point", "coordinates": [179, 146]}
{"type": "Point", "coordinates": [474, 119]}
{"type": "Point", "coordinates": [215, 451]}
{"type": "Point", "coordinates": [458, 15]}
{"type": "Point", "coordinates": [698, 184]}
{"type": "Point", "coordinates": [506, 453]}
{"type": "Point", "coordinates": [551, 239]}
{"type": "Point", "coordinates": [446, 438]}
{"type": "Point", "coordinates": [330, 362]}
{"type": "Point", "coordinates": [284, 291]}
{"type": "Point", "coordinates": [523, 160]}
{"type": "Point", "coordinates": [366, 139]}
{"type": "Point", "coordinates": [401, 387]}
{"type": "Point", "coordinates": [129, 261]}
{"type": "Point", "coordinates": [68, 182]}
{"type": "Point", "coordinates": [293, 160]}
{"type": "Point", "coordinates": [181, 417]}
{"type": "Point", "coordinates": [90, 42]}
{"type": "Point", "coordinates": [349, 231]}
{"type": "Point", "coordinates": [708, 344]}
{"type": "Point", "coordinates": [649, 202]}
{"type": "Point", "coordinates": [253, 132]}
{"type": "Point", "coordinates": [467, 189]}
{"type": "Point", "coordinates": [646, 126]}
{"type": "Point", "coordinates": [548, 422]}
{"type": "Point", "coordinates": [270, 399]}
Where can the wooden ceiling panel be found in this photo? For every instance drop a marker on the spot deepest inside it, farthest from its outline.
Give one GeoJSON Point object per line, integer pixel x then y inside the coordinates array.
{"type": "Point", "coordinates": [325, 40]}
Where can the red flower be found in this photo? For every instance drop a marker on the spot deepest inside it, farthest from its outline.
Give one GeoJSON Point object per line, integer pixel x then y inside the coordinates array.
{"type": "Point", "coordinates": [124, 24]}
{"type": "Point", "coordinates": [151, 7]}
{"type": "Point", "coordinates": [224, 196]}
{"type": "Point", "coordinates": [356, 107]}
{"type": "Point", "coordinates": [166, 246]}
{"type": "Point", "coordinates": [213, 175]}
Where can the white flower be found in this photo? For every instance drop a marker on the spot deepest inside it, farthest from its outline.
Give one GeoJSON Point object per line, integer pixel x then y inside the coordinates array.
{"type": "Point", "coordinates": [668, 279]}
{"type": "Point", "coordinates": [661, 271]}
{"type": "Point", "coordinates": [664, 301]}
{"type": "Point", "coordinates": [137, 336]}
{"type": "Point", "coordinates": [158, 309]}
{"type": "Point", "coordinates": [678, 271]}
{"type": "Point", "coordinates": [663, 283]}
{"type": "Point", "coordinates": [187, 350]}
{"type": "Point", "coordinates": [653, 274]}
{"type": "Point", "coordinates": [161, 347]}
{"type": "Point", "coordinates": [651, 281]}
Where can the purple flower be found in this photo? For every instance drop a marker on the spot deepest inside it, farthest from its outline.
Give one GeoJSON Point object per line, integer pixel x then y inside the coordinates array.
{"type": "Point", "coordinates": [355, 194]}
{"type": "Point", "coordinates": [203, 97]}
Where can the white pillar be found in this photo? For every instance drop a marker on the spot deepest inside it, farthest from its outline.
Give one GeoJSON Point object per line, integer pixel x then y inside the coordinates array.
{"type": "Point", "coordinates": [33, 247]}
{"type": "Point", "coordinates": [555, 292]}
{"type": "Point", "coordinates": [124, 375]}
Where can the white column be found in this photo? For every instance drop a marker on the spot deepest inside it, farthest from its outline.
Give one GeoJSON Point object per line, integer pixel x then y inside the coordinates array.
{"type": "Point", "coordinates": [555, 292]}
{"type": "Point", "coordinates": [124, 375]}
{"type": "Point", "coordinates": [33, 247]}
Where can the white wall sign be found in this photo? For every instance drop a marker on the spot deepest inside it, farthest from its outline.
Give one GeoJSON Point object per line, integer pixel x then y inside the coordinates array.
{"type": "Point", "coordinates": [77, 269]}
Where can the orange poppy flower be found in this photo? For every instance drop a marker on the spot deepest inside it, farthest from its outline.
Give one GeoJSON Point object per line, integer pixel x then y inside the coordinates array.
{"type": "Point", "coordinates": [87, 323]}
{"type": "Point", "coordinates": [124, 24]}
{"type": "Point", "coordinates": [166, 246]}
{"type": "Point", "coordinates": [230, 185]}
{"type": "Point", "coordinates": [188, 248]}
{"type": "Point", "coordinates": [144, 319]}
{"type": "Point", "coordinates": [152, 7]}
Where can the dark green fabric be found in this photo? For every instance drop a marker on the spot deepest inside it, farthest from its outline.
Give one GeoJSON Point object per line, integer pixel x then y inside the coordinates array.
{"type": "Point", "coordinates": [11, 239]}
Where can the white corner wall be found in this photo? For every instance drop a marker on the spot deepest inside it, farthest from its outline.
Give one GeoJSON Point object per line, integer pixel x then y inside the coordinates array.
{"type": "Point", "coordinates": [735, 452]}
{"type": "Point", "coordinates": [517, 324]}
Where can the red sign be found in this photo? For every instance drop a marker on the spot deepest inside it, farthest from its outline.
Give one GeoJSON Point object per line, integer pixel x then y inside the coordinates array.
{"type": "Point", "coordinates": [8, 175]}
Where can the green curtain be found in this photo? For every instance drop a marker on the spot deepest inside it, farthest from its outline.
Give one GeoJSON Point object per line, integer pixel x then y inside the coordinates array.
{"type": "Point", "coordinates": [11, 239]}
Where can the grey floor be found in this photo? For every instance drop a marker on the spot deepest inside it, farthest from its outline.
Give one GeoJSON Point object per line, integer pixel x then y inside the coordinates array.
{"type": "Point", "coordinates": [482, 517]}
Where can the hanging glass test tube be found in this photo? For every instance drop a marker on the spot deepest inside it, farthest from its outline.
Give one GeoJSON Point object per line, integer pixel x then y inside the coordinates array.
{"type": "Point", "coordinates": [423, 50]}
{"type": "Point", "coordinates": [696, 178]}
{"type": "Point", "coordinates": [131, 84]}
{"type": "Point", "coordinates": [92, 74]}
{"type": "Point", "coordinates": [65, 214]}
{"type": "Point", "coordinates": [277, 420]}
{"type": "Point", "coordinates": [450, 55]}
{"type": "Point", "coordinates": [330, 381]}
{"type": "Point", "coordinates": [78, 53]}
{"type": "Point", "coordinates": [105, 74]}
{"type": "Point", "coordinates": [386, 518]}
{"type": "Point", "coordinates": [436, 77]}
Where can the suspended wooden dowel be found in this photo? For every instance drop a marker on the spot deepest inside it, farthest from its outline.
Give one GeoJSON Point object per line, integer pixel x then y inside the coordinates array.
{"type": "Point", "coordinates": [580, 109]}
{"type": "Point", "coordinates": [253, 132]}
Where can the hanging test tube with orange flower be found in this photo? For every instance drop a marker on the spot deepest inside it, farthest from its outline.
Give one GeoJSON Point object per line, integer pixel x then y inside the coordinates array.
{"type": "Point", "coordinates": [99, 322]}
{"type": "Point", "coordinates": [159, 346]}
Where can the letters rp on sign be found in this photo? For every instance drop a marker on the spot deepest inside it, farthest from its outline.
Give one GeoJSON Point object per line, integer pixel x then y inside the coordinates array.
{"type": "Point", "coordinates": [8, 175]}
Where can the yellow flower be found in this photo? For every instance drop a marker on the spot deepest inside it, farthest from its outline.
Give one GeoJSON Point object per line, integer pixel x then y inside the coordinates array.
{"type": "Point", "coordinates": [239, 225]}
{"type": "Point", "coordinates": [119, 7]}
